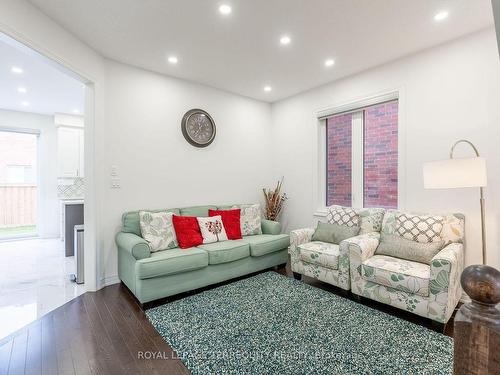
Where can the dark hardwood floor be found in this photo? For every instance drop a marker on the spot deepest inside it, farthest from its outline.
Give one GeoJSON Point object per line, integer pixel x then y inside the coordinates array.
{"type": "Point", "coordinates": [107, 332]}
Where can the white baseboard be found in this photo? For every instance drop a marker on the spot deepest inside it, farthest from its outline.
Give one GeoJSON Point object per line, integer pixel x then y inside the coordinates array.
{"type": "Point", "coordinates": [109, 280]}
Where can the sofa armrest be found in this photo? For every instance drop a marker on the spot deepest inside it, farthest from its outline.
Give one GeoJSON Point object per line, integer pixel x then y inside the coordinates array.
{"type": "Point", "coordinates": [361, 247]}
{"type": "Point", "coordinates": [299, 237]}
{"type": "Point", "coordinates": [270, 227]}
{"type": "Point", "coordinates": [137, 246]}
{"type": "Point", "coordinates": [444, 283]}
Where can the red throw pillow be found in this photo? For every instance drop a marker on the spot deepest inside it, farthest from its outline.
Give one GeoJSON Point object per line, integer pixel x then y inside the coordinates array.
{"type": "Point", "coordinates": [231, 220]}
{"type": "Point", "coordinates": [187, 231]}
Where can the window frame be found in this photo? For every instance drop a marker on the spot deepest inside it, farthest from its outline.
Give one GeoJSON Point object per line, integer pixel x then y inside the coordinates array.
{"type": "Point", "coordinates": [320, 144]}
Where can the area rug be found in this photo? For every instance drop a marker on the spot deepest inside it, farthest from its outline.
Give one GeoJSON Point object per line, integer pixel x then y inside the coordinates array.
{"type": "Point", "coordinates": [271, 324]}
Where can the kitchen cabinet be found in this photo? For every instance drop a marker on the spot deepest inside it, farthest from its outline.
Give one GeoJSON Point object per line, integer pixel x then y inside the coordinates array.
{"type": "Point", "coordinates": [70, 151]}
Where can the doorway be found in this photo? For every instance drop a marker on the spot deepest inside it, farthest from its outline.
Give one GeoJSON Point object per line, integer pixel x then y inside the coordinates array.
{"type": "Point", "coordinates": [42, 184]}
{"type": "Point", "coordinates": [18, 184]}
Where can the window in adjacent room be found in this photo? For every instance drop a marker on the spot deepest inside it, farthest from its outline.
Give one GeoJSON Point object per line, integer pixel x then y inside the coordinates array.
{"type": "Point", "coordinates": [362, 157]}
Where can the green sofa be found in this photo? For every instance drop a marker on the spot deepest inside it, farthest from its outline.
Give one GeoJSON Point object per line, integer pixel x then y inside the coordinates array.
{"type": "Point", "coordinates": [154, 275]}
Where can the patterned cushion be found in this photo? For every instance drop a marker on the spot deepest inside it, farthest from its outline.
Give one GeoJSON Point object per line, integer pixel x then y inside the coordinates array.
{"type": "Point", "coordinates": [453, 228]}
{"type": "Point", "coordinates": [419, 228]}
{"type": "Point", "coordinates": [345, 216]}
{"type": "Point", "coordinates": [370, 219]}
{"type": "Point", "coordinates": [250, 219]}
{"type": "Point", "coordinates": [404, 275]}
{"type": "Point", "coordinates": [212, 229]}
{"type": "Point", "coordinates": [158, 230]}
{"type": "Point", "coordinates": [321, 253]}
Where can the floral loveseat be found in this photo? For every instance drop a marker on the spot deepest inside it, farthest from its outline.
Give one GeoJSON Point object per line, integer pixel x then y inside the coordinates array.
{"type": "Point", "coordinates": [429, 290]}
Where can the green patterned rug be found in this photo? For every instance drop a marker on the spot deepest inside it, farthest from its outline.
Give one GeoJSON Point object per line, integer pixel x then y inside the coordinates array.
{"type": "Point", "coordinates": [271, 324]}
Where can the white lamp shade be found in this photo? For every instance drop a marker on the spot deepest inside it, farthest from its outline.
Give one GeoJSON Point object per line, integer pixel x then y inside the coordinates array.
{"type": "Point", "coordinates": [455, 173]}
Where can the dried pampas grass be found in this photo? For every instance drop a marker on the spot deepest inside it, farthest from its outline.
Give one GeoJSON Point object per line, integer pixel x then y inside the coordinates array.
{"type": "Point", "coordinates": [274, 201]}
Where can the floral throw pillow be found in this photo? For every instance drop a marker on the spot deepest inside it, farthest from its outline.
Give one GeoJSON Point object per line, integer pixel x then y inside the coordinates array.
{"type": "Point", "coordinates": [158, 230]}
{"type": "Point", "coordinates": [212, 229]}
{"type": "Point", "coordinates": [250, 219]}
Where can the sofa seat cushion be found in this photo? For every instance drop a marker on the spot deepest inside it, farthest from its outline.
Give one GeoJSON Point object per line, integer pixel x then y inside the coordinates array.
{"type": "Point", "coordinates": [323, 254]}
{"type": "Point", "coordinates": [172, 261]}
{"type": "Point", "coordinates": [404, 275]}
{"type": "Point", "coordinates": [262, 244]}
{"type": "Point", "coordinates": [226, 251]}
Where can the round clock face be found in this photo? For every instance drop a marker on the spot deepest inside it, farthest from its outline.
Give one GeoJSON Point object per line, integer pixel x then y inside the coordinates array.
{"type": "Point", "coordinates": [198, 128]}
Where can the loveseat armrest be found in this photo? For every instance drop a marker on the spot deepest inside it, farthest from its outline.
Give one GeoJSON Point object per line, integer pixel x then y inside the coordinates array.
{"type": "Point", "coordinates": [361, 247]}
{"type": "Point", "coordinates": [137, 246]}
{"type": "Point", "coordinates": [444, 284]}
{"type": "Point", "coordinates": [270, 227]}
{"type": "Point", "coordinates": [299, 237]}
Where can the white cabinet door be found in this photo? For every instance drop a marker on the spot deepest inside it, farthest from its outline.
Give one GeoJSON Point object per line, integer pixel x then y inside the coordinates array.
{"type": "Point", "coordinates": [68, 151]}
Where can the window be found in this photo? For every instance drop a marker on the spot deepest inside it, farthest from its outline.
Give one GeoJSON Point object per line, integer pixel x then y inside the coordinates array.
{"type": "Point", "coordinates": [20, 174]}
{"type": "Point", "coordinates": [362, 157]}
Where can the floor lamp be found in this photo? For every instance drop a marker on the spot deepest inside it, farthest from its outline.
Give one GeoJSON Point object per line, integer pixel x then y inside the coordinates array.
{"type": "Point", "coordinates": [459, 173]}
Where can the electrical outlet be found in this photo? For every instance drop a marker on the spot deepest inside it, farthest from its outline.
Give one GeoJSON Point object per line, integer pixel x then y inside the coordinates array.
{"type": "Point", "coordinates": [115, 183]}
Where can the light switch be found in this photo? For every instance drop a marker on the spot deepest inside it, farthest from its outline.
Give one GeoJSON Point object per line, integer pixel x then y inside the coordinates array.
{"type": "Point", "coordinates": [115, 183]}
{"type": "Point", "coordinates": [114, 171]}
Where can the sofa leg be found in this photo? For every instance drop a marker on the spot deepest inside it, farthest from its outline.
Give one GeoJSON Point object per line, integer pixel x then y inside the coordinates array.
{"type": "Point", "coordinates": [297, 276]}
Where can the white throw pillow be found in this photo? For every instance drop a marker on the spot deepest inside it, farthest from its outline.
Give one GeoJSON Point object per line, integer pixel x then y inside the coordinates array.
{"type": "Point", "coordinates": [158, 230]}
{"type": "Point", "coordinates": [250, 219]}
{"type": "Point", "coordinates": [212, 229]}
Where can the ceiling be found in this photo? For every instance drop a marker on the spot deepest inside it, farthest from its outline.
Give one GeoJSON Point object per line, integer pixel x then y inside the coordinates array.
{"type": "Point", "coordinates": [48, 89]}
{"type": "Point", "coordinates": [241, 53]}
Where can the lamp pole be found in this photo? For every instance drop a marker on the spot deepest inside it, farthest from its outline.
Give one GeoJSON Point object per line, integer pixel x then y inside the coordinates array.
{"type": "Point", "coordinates": [481, 196]}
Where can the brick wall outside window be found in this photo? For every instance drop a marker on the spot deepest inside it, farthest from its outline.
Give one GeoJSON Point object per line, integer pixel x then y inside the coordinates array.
{"type": "Point", "coordinates": [339, 142]}
{"type": "Point", "coordinates": [381, 155]}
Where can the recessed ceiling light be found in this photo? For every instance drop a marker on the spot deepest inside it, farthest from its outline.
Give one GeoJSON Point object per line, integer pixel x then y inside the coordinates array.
{"type": "Point", "coordinates": [329, 62]}
{"type": "Point", "coordinates": [441, 16]}
{"type": "Point", "coordinates": [225, 9]}
{"type": "Point", "coordinates": [76, 111]}
{"type": "Point", "coordinates": [268, 88]}
{"type": "Point", "coordinates": [25, 104]}
{"type": "Point", "coordinates": [16, 70]}
{"type": "Point", "coordinates": [173, 60]}
{"type": "Point", "coordinates": [22, 90]}
{"type": "Point", "coordinates": [285, 39]}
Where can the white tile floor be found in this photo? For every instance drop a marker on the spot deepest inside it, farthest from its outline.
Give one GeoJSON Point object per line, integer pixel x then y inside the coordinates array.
{"type": "Point", "coordinates": [34, 279]}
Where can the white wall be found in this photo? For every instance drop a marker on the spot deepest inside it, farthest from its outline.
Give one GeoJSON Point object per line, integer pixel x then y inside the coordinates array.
{"type": "Point", "coordinates": [448, 93]}
{"type": "Point", "coordinates": [136, 126]}
{"type": "Point", "coordinates": [158, 168]}
{"type": "Point", "coordinates": [48, 204]}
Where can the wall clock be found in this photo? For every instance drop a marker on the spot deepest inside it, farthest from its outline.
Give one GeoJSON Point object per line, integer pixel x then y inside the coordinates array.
{"type": "Point", "coordinates": [198, 127]}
